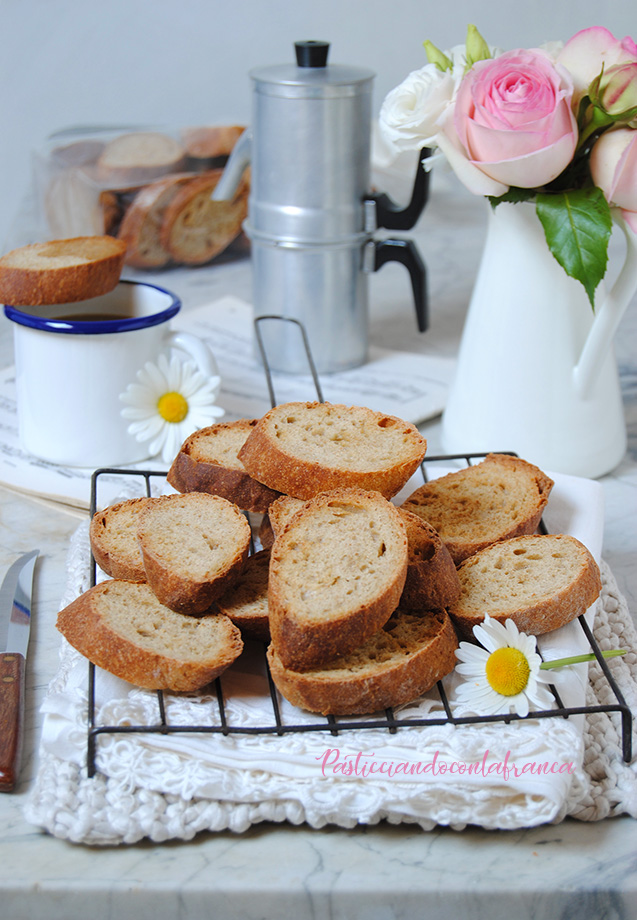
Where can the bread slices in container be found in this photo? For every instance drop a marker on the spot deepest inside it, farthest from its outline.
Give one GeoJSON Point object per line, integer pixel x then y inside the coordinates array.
{"type": "Point", "coordinates": [337, 572]}
{"type": "Point", "coordinates": [121, 627]}
{"type": "Point", "coordinates": [501, 497]}
{"type": "Point", "coordinates": [194, 547]}
{"type": "Point", "coordinates": [196, 229]}
{"type": "Point", "coordinates": [540, 581]}
{"type": "Point", "coordinates": [140, 227]}
{"type": "Point", "coordinates": [395, 665]}
{"type": "Point", "coordinates": [208, 462]}
{"type": "Point", "coordinates": [303, 448]}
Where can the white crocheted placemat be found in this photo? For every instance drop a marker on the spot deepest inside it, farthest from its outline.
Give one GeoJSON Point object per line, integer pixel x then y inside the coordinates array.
{"type": "Point", "coordinates": [119, 808]}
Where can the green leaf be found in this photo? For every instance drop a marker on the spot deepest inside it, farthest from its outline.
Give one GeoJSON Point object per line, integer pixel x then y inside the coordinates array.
{"type": "Point", "coordinates": [577, 225]}
{"type": "Point", "coordinates": [513, 196]}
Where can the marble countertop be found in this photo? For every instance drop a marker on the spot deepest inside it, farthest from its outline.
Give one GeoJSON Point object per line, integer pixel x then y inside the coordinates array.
{"type": "Point", "coordinates": [271, 870]}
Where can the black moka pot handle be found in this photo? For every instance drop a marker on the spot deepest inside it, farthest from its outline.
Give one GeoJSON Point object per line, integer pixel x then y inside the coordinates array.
{"type": "Point", "coordinates": [405, 251]}
{"type": "Point", "coordinates": [392, 216]}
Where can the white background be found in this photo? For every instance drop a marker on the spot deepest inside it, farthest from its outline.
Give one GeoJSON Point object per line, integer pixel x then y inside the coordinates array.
{"type": "Point", "coordinates": [181, 62]}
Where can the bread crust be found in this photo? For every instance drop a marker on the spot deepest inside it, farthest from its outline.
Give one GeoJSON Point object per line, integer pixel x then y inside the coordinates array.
{"type": "Point", "coordinates": [246, 603]}
{"type": "Point", "coordinates": [84, 626]}
{"type": "Point", "coordinates": [545, 609]}
{"type": "Point", "coordinates": [340, 690]}
{"type": "Point", "coordinates": [266, 533]}
{"type": "Point", "coordinates": [432, 581]}
{"type": "Point", "coordinates": [451, 504]}
{"type": "Point", "coordinates": [299, 475]}
{"type": "Point", "coordinates": [302, 642]}
{"type": "Point", "coordinates": [174, 584]}
{"type": "Point", "coordinates": [29, 276]}
{"type": "Point", "coordinates": [192, 473]}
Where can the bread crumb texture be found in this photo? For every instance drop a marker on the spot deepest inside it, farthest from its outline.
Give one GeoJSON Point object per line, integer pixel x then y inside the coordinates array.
{"type": "Point", "coordinates": [498, 498]}
{"type": "Point", "coordinates": [510, 574]}
{"type": "Point", "coordinates": [196, 531]}
{"type": "Point", "coordinates": [402, 635]}
{"type": "Point", "coordinates": [220, 444]}
{"type": "Point", "coordinates": [301, 449]}
{"type": "Point", "coordinates": [153, 627]}
{"type": "Point", "coordinates": [540, 581]}
{"type": "Point", "coordinates": [122, 627]}
{"type": "Point", "coordinates": [336, 555]}
{"type": "Point", "coordinates": [336, 435]}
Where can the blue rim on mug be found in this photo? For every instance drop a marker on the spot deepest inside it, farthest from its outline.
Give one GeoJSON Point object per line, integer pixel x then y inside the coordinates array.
{"type": "Point", "coordinates": [95, 327]}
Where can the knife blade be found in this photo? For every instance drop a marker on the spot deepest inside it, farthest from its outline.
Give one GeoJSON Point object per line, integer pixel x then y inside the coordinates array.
{"type": "Point", "coordinates": [15, 625]}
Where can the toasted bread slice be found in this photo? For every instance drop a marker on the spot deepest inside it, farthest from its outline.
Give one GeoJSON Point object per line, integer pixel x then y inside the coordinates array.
{"type": "Point", "coordinates": [499, 498]}
{"type": "Point", "coordinates": [139, 157]}
{"type": "Point", "coordinates": [140, 227]}
{"type": "Point", "coordinates": [336, 575]}
{"type": "Point", "coordinates": [396, 665]}
{"type": "Point", "coordinates": [432, 581]}
{"type": "Point", "coordinates": [207, 462]}
{"type": "Point", "coordinates": [195, 229]}
{"type": "Point", "coordinates": [303, 448]}
{"type": "Point", "coordinates": [113, 540]}
{"type": "Point", "coordinates": [194, 548]}
{"type": "Point", "coordinates": [122, 627]}
{"type": "Point", "coordinates": [61, 271]}
{"type": "Point", "coordinates": [540, 581]}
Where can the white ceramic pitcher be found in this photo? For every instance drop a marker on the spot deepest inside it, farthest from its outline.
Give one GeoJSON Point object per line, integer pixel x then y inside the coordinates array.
{"type": "Point", "coordinates": [536, 370]}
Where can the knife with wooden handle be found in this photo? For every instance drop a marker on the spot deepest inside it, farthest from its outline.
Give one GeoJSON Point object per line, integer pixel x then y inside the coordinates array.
{"type": "Point", "coordinates": [15, 625]}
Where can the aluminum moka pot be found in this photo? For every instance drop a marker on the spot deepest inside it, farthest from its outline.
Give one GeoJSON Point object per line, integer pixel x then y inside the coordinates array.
{"type": "Point", "coordinates": [311, 217]}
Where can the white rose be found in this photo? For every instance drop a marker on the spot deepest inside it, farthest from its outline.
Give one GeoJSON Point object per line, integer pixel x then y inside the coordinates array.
{"type": "Point", "coordinates": [410, 113]}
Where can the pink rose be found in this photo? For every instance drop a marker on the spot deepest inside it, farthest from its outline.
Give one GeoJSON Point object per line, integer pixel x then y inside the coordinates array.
{"type": "Point", "coordinates": [588, 51]}
{"type": "Point", "coordinates": [512, 122]}
{"type": "Point", "coordinates": [614, 170]}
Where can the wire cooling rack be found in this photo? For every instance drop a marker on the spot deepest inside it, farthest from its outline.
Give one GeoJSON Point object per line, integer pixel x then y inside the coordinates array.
{"type": "Point", "coordinates": [219, 721]}
{"type": "Point", "coordinates": [330, 724]}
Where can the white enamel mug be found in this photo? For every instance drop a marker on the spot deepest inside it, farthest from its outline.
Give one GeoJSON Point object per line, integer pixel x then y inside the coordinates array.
{"type": "Point", "coordinates": [71, 369]}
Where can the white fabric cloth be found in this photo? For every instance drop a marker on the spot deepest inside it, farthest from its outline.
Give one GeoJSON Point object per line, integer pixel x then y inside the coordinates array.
{"type": "Point", "coordinates": [166, 786]}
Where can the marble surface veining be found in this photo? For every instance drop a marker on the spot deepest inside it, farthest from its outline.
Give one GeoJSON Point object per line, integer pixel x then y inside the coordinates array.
{"type": "Point", "coordinates": [545, 873]}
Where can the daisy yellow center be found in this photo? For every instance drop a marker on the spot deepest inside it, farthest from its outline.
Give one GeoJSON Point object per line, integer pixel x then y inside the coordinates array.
{"type": "Point", "coordinates": [507, 671]}
{"type": "Point", "coordinates": [172, 407]}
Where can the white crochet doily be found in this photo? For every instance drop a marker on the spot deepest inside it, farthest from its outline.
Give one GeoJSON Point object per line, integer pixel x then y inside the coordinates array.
{"type": "Point", "coordinates": [151, 791]}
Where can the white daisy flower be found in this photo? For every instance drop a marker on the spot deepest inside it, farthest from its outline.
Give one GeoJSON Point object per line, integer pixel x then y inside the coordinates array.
{"type": "Point", "coordinates": [169, 401]}
{"type": "Point", "coordinates": [502, 676]}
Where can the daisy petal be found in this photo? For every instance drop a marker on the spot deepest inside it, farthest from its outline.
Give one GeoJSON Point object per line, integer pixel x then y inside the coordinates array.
{"type": "Point", "coordinates": [478, 694]}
